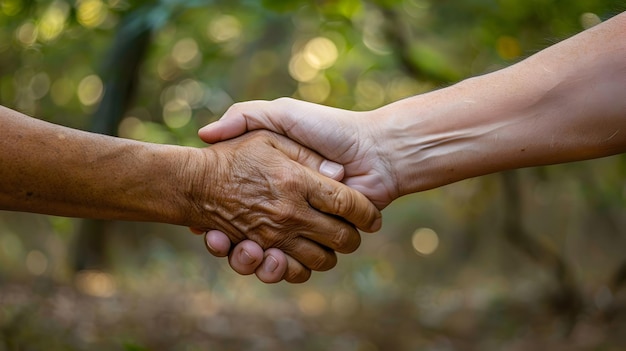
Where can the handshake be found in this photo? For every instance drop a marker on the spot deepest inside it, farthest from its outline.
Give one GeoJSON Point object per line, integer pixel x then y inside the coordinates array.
{"type": "Point", "coordinates": [282, 201]}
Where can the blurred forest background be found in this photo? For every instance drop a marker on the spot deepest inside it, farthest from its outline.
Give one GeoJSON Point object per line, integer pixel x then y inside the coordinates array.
{"type": "Point", "coordinates": [528, 259]}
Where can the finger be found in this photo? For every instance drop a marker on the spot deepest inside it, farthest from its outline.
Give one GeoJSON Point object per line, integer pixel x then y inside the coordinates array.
{"type": "Point", "coordinates": [273, 267]}
{"type": "Point", "coordinates": [338, 199]}
{"type": "Point", "coordinates": [330, 196]}
{"type": "Point", "coordinates": [238, 119]}
{"type": "Point", "coordinates": [217, 243]}
{"type": "Point", "coordinates": [309, 253]}
{"type": "Point", "coordinates": [296, 273]}
{"type": "Point", "coordinates": [246, 257]}
{"type": "Point", "coordinates": [196, 231]}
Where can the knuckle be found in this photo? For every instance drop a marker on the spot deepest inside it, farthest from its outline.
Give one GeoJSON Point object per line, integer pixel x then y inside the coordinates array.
{"type": "Point", "coordinates": [342, 202]}
{"type": "Point", "coordinates": [347, 240]}
{"type": "Point", "coordinates": [284, 215]}
{"type": "Point", "coordinates": [236, 108]}
{"type": "Point", "coordinates": [324, 262]}
{"type": "Point", "coordinates": [297, 276]}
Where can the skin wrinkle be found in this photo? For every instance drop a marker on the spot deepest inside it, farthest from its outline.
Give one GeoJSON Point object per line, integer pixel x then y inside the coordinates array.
{"type": "Point", "coordinates": [612, 135]}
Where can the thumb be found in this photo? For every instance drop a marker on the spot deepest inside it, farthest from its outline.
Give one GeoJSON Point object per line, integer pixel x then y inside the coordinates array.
{"type": "Point", "coordinates": [226, 128]}
{"type": "Point", "coordinates": [332, 170]}
{"type": "Point", "coordinates": [348, 203]}
{"type": "Point", "coordinates": [308, 158]}
{"type": "Point", "coordinates": [241, 118]}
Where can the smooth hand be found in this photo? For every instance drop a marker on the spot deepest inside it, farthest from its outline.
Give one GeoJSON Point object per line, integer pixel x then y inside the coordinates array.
{"type": "Point", "coordinates": [261, 190]}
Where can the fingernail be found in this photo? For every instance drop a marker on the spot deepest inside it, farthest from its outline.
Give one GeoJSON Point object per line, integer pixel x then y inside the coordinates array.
{"type": "Point", "coordinates": [378, 223]}
{"type": "Point", "coordinates": [245, 257]}
{"type": "Point", "coordinates": [270, 264]}
{"type": "Point", "coordinates": [331, 170]}
{"type": "Point", "coordinates": [208, 244]}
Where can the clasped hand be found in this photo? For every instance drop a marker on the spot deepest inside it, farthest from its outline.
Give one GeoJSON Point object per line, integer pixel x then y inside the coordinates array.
{"type": "Point", "coordinates": [266, 188]}
{"type": "Point", "coordinates": [337, 138]}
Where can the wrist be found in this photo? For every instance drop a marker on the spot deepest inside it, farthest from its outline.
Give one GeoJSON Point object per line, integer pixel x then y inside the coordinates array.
{"type": "Point", "coordinates": [447, 135]}
{"type": "Point", "coordinates": [186, 173]}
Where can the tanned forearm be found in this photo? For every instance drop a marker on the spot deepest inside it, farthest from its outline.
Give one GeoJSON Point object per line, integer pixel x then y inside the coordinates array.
{"type": "Point", "coordinates": [563, 104]}
{"type": "Point", "coordinates": [55, 170]}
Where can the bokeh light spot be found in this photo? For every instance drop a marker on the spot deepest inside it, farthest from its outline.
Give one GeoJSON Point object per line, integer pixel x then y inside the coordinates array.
{"type": "Point", "coordinates": [11, 7]}
{"type": "Point", "coordinates": [91, 13]}
{"type": "Point", "coordinates": [312, 303]}
{"type": "Point", "coordinates": [95, 283]}
{"type": "Point", "coordinates": [185, 52]}
{"type": "Point", "coordinates": [425, 241]}
{"type": "Point", "coordinates": [588, 20]}
{"type": "Point", "coordinates": [53, 20]}
{"type": "Point", "coordinates": [39, 85]}
{"type": "Point", "coordinates": [300, 69]}
{"type": "Point", "coordinates": [90, 90]}
{"type": "Point", "coordinates": [316, 91]}
{"type": "Point", "coordinates": [176, 113]}
{"type": "Point", "coordinates": [27, 33]}
{"type": "Point", "coordinates": [369, 94]}
{"type": "Point", "coordinates": [36, 262]}
{"type": "Point", "coordinates": [132, 128]}
{"type": "Point", "coordinates": [320, 53]}
{"type": "Point", "coordinates": [224, 28]}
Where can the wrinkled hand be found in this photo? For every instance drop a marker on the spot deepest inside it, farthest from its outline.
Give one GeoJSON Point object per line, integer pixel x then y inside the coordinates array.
{"type": "Point", "coordinates": [349, 138]}
{"type": "Point", "coordinates": [261, 191]}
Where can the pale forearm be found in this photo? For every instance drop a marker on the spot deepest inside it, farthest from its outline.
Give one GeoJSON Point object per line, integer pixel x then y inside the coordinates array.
{"type": "Point", "coordinates": [61, 171]}
{"type": "Point", "coordinates": [563, 104]}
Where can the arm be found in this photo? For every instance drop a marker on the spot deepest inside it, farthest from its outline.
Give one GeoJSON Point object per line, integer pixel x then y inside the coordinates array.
{"type": "Point", "coordinates": [563, 104]}
{"type": "Point", "coordinates": [566, 103]}
{"type": "Point", "coordinates": [251, 188]}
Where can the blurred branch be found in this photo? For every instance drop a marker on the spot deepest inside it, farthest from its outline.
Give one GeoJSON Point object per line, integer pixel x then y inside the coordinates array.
{"type": "Point", "coordinates": [400, 41]}
{"type": "Point", "coordinates": [120, 73]}
{"type": "Point", "coordinates": [567, 301]}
